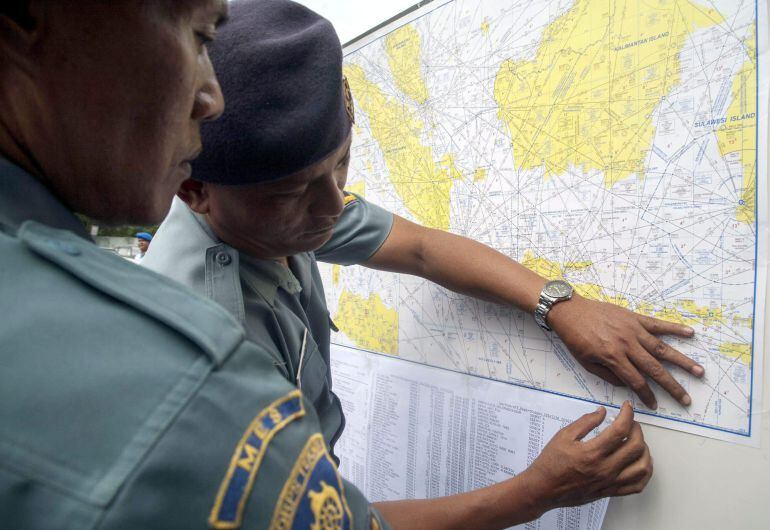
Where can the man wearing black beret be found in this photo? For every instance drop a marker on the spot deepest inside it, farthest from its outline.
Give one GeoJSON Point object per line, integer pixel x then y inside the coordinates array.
{"type": "Point", "coordinates": [267, 199]}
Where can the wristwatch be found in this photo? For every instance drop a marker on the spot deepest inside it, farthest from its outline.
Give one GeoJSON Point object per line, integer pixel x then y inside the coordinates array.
{"type": "Point", "coordinates": [554, 292]}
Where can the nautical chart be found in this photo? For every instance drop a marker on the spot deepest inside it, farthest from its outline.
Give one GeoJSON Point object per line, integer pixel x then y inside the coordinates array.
{"type": "Point", "coordinates": [613, 144]}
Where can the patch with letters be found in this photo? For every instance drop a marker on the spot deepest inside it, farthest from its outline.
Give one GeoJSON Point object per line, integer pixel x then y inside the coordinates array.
{"type": "Point", "coordinates": [313, 497]}
{"type": "Point", "coordinates": [236, 486]}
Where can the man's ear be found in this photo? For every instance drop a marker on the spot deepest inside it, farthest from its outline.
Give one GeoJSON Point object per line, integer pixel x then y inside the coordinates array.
{"type": "Point", "coordinates": [20, 31]}
{"type": "Point", "coordinates": [196, 195]}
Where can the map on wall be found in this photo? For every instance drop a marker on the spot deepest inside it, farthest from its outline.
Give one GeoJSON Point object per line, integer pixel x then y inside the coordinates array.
{"type": "Point", "coordinates": [612, 144]}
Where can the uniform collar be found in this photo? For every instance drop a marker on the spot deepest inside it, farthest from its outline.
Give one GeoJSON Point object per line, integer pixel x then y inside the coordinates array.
{"type": "Point", "coordinates": [179, 250]}
{"type": "Point", "coordinates": [263, 275]}
{"type": "Point", "coordinates": [25, 198]}
{"type": "Point", "coordinates": [267, 276]}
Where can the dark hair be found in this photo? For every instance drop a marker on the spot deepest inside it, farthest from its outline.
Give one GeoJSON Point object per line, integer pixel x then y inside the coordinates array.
{"type": "Point", "coordinates": [17, 10]}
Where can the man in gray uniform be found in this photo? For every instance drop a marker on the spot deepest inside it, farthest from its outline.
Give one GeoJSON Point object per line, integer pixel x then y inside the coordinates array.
{"type": "Point", "coordinates": [267, 201]}
{"type": "Point", "coordinates": [118, 408]}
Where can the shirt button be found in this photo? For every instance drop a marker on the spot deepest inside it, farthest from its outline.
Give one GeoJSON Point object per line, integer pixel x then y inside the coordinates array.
{"type": "Point", "coordinates": [223, 258]}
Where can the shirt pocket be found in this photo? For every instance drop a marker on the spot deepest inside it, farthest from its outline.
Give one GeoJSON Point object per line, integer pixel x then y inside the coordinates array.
{"type": "Point", "coordinates": [312, 379]}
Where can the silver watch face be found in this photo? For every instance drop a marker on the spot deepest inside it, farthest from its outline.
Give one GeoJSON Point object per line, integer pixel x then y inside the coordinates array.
{"type": "Point", "coordinates": [558, 289]}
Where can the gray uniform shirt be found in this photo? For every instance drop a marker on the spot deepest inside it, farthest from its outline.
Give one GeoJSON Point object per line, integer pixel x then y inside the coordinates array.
{"type": "Point", "coordinates": [284, 310]}
{"type": "Point", "coordinates": [126, 401]}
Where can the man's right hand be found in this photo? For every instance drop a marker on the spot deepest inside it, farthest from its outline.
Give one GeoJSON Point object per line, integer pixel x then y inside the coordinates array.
{"type": "Point", "coordinates": [568, 472]}
{"type": "Point", "coordinates": [571, 472]}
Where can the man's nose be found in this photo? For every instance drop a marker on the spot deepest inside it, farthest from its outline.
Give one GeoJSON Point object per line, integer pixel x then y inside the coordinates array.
{"type": "Point", "coordinates": [209, 102]}
{"type": "Point", "coordinates": [329, 202]}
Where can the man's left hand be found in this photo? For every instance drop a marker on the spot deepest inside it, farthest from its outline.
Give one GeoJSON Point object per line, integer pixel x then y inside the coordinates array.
{"type": "Point", "coordinates": [621, 347]}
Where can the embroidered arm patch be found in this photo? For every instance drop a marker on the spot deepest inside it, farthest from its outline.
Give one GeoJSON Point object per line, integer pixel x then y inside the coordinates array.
{"type": "Point", "coordinates": [348, 198]}
{"type": "Point", "coordinates": [236, 486]}
{"type": "Point", "coordinates": [313, 497]}
{"type": "Point", "coordinates": [374, 523]}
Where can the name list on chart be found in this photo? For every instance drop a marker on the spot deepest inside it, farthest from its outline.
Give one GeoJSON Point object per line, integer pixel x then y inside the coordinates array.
{"type": "Point", "coordinates": [416, 432]}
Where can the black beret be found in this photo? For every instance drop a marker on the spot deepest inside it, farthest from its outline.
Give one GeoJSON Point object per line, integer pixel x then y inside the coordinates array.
{"type": "Point", "coordinates": [280, 68]}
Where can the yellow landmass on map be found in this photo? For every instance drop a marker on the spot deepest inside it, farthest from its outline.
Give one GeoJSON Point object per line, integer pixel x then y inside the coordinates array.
{"type": "Point", "coordinates": [448, 165]}
{"type": "Point", "coordinates": [403, 48]}
{"type": "Point", "coordinates": [423, 185]}
{"type": "Point", "coordinates": [485, 27]}
{"type": "Point", "coordinates": [739, 133]}
{"type": "Point", "coordinates": [645, 308]}
{"type": "Point", "coordinates": [480, 175]}
{"type": "Point", "coordinates": [736, 350]}
{"type": "Point", "coordinates": [359, 188]}
{"type": "Point", "coordinates": [670, 314]}
{"type": "Point", "coordinates": [368, 322]}
{"type": "Point", "coordinates": [687, 312]}
{"type": "Point", "coordinates": [548, 269]}
{"type": "Point", "coordinates": [596, 292]}
{"type": "Point", "coordinates": [552, 270]}
{"type": "Point", "coordinates": [744, 322]}
{"type": "Point", "coordinates": [586, 100]}
{"type": "Point", "coordinates": [578, 265]}
{"type": "Point", "coordinates": [336, 274]}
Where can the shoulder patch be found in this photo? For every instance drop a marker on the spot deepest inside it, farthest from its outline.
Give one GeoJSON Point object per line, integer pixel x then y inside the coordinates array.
{"type": "Point", "coordinates": [348, 198]}
{"type": "Point", "coordinates": [313, 497]}
{"type": "Point", "coordinates": [236, 486]}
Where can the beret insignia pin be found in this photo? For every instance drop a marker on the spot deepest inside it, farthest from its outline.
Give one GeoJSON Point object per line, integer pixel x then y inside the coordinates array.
{"type": "Point", "coordinates": [348, 100]}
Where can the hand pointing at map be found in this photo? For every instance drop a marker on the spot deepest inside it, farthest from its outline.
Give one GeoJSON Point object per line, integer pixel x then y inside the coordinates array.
{"type": "Point", "coordinates": [609, 341]}
{"type": "Point", "coordinates": [621, 347]}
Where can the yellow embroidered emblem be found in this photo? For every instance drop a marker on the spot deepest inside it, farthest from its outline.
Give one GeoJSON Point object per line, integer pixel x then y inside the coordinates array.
{"type": "Point", "coordinates": [348, 198]}
{"type": "Point", "coordinates": [313, 496]}
{"type": "Point", "coordinates": [327, 508]}
{"type": "Point", "coordinates": [231, 499]}
{"type": "Point", "coordinates": [275, 415]}
{"type": "Point", "coordinates": [349, 106]}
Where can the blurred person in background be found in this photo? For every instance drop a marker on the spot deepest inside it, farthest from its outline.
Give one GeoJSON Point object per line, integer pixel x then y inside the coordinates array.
{"type": "Point", "coordinates": [143, 240]}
